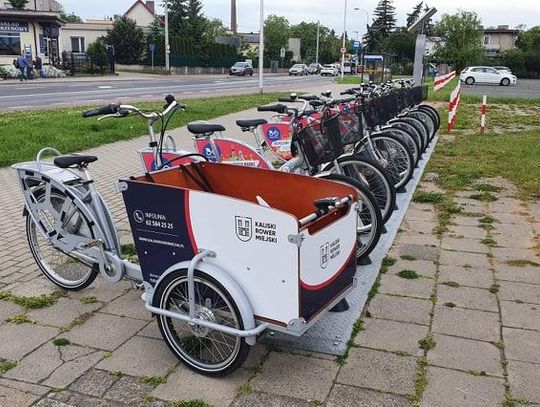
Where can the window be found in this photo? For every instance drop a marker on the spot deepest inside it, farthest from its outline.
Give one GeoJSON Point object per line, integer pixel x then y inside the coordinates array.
{"type": "Point", "coordinates": [10, 43]}
{"type": "Point", "coordinates": [77, 44]}
{"type": "Point", "coordinates": [486, 40]}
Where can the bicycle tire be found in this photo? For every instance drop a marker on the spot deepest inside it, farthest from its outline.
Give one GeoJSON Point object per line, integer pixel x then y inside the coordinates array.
{"type": "Point", "coordinates": [407, 138]}
{"type": "Point", "coordinates": [372, 174]}
{"type": "Point", "coordinates": [420, 127]}
{"type": "Point", "coordinates": [33, 236]}
{"type": "Point", "coordinates": [434, 114]}
{"type": "Point", "coordinates": [368, 235]}
{"type": "Point", "coordinates": [394, 156]}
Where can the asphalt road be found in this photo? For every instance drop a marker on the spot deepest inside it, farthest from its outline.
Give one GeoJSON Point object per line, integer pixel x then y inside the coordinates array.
{"type": "Point", "coordinates": [70, 92]}
{"type": "Point", "coordinates": [524, 89]}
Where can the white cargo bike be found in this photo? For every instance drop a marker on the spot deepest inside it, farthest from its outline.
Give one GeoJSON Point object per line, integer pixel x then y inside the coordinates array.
{"type": "Point", "coordinates": [226, 252]}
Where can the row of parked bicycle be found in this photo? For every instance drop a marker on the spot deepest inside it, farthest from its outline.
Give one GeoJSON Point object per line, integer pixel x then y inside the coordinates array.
{"type": "Point", "coordinates": [228, 252]}
{"type": "Point", "coordinates": [372, 139]}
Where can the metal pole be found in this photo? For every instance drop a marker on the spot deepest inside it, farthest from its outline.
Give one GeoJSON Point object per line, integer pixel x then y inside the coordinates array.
{"type": "Point", "coordinates": [344, 31]}
{"type": "Point", "coordinates": [317, 48]}
{"type": "Point", "coordinates": [167, 45]}
{"type": "Point", "coordinates": [261, 48]}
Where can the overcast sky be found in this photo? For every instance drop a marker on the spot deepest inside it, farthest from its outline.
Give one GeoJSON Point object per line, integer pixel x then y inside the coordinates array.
{"type": "Point", "coordinates": [330, 12]}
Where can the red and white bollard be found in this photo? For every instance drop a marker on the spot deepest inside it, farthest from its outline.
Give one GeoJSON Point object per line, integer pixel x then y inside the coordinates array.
{"type": "Point", "coordinates": [483, 112]}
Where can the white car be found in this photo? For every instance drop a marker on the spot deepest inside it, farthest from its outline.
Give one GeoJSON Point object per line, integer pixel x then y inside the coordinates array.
{"type": "Point", "coordinates": [298, 69]}
{"type": "Point", "coordinates": [486, 74]}
{"type": "Point", "coordinates": [329, 70]}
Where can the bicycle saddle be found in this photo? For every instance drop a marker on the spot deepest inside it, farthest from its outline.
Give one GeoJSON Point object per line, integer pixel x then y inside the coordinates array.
{"type": "Point", "coordinates": [66, 161]}
{"type": "Point", "coordinates": [204, 128]}
{"type": "Point", "coordinates": [247, 123]}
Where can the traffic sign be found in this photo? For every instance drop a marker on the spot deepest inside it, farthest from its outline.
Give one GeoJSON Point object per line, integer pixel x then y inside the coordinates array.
{"type": "Point", "coordinates": [343, 50]}
{"type": "Point", "coordinates": [282, 52]}
{"type": "Point", "coordinates": [356, 45]}
{"type": "Point", "coordinates": [152, 47]}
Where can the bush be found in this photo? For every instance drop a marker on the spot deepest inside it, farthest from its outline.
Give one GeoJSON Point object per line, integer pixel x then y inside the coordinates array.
{"type": "Point", "coordinates": [10, 72]}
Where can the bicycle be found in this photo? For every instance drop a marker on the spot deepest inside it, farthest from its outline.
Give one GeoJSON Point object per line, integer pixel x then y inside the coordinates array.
{"type": "Point", "coordinates": [202, 270]}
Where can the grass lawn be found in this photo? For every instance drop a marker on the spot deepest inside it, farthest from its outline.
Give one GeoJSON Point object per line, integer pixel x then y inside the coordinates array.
{"type": "Point", "coordinates": [510, 148]}
{"type": "Point", "coordinates": [25, 133]}
{"type": "Point", "coordinates": [350, 80]}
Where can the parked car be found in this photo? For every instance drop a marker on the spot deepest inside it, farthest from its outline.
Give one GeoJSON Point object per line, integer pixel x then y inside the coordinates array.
{"type": "Point", "coordinates": [314, 68]}
{"type": "Point", "coordinates": [241, 69]}
{"type": "Point", "coordinates": [486, 74]}
{"type": "Point", "coordinates": [298, 69]}
{"type": "Point", "coordinates": [502, 68]}
{"type": "Point", "coordinates": [329, 70]}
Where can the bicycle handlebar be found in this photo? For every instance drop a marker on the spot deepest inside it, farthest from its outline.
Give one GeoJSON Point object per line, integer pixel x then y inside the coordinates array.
{"type": "Point", "coordinates": [277, 108]}
{"type": "Point", "coordinates": [109, 109]}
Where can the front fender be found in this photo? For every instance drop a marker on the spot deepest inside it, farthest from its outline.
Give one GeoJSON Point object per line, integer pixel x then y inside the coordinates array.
{"type": "Point", "coordinates": [238, 295]}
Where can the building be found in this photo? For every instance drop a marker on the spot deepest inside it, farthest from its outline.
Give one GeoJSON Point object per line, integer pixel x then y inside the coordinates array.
{"type": "Point", "coordinates": [500, 39]}
{"type": "Point", "coordinates": [35, 30]}
{"type": "Point", "coordinates": [76, 37]}
{"type": "Point", "coordinates": [38, 29]}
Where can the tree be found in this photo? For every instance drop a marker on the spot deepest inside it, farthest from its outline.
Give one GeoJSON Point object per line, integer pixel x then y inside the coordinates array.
{"type": "Point", "coordinates": [415, 14]}
{"type": "Point", "coordinates": [18, 4]}
{"type": "Point", "coordinates": [276, 35]}
{"type": "Point", "coordinates": [70, 18]}
{"type": "Point", "coordinates": [529, 41]}
{"type": "Point", "coordinates": [215, 28]}
{"type": "Point", "coordinates": [384, 22]}
{"type": "Point", "coordinates": [462, 33]}
{"type": "Point", "coordinates": [128, 40]}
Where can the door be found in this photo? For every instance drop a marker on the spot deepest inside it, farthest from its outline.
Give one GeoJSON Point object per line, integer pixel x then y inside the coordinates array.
{"type": "Point", "coordinates": [492, 75]}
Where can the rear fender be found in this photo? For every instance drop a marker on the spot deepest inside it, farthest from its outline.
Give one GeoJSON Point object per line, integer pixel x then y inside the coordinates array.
{"type": "Point", "coordinates": [234, 290]}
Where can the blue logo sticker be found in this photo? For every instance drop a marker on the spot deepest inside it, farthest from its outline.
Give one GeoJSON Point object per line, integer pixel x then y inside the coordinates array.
{"type": "Point", "coordinates": [274, 133]}
{"type": "Point", "coordinates": [208, 152]}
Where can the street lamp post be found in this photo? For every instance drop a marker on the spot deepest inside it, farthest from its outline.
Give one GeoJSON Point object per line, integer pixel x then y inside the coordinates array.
{"type": "Point", "coordinates": [344, 42]}
{"type": "Point", "coordinates": [361, 61]}
{"type": "Point", "coordinates": [167, 45]}
{"type": "Point", "coordinates": [261, 48]}
{"type": "Point", "coordinates": [318, 39]}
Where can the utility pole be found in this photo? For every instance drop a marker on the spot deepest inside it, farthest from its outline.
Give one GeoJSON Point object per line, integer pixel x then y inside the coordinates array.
{"type": "Point", "coordinates": [234, 24]}
{"type": "Point", "coordinates": [344, 42]}
{"type": "Point", "coordinates": [261, 47]}
{"type": "Point", "coordinates": [318, 36]}
{"type": "Point", "coordinates": [167, 45]}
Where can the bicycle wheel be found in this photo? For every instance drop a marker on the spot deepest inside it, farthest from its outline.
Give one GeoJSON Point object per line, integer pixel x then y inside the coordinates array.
{"type": "Point", "coordinates": [420, 127]}
{"type": "Point", "coordinates": [426, 119]}
{"type": "Point", "coordinates": [204, 350]}
{"type": "Point", "coordinates": [393, 155]}
{"type": "Point", "coordinates": [407, 138]}
{"type": "Point", "coordinates": [434, 114]}
{"type": "Point", "coordinates": [409, 128]}
{"type": "Point", "coordinates": [62, 269]}
{"type": "Point", "coordinates": [372, 174]}
{"type": "Point", "coordinates": [369, 228]}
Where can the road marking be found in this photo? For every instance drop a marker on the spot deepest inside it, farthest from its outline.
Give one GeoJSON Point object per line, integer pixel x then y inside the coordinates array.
{"type": "Point", "coordinates": [104, 87]}
{"type": "Point", "coordinates": [31, 87]}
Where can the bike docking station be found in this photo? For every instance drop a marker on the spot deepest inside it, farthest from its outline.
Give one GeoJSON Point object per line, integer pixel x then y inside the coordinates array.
{"type": "Point", "coordinates": [331, 333]}
{"type": "Point", "coordinates": [232, 254]}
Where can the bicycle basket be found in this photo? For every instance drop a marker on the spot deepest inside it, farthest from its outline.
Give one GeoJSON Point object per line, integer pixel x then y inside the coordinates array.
{"type": "Point", "coordinates": [321, 142]}
{"type": "Point", "coordinates": [371, 109]}
{"type": "Point", "coordinates": [417, 95]}
{"type": "Point", "coordinates": [425, 92]}
{"type": "Point", "coordinates": [350, 127]}
{"type": "Point", "coordinates": [389, 107]}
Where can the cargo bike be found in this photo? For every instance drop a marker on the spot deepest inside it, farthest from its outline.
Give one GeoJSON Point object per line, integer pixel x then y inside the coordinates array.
{"type": "Point", "coordinates": [225, 252]}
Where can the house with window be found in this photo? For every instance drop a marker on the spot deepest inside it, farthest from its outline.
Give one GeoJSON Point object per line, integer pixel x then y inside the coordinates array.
{"type": "Point", "coordinates": [34, 31]}
{"type": "Point", "coordinates": [499, 39]}
{"type": "Point", "coordinates": [76, 37]}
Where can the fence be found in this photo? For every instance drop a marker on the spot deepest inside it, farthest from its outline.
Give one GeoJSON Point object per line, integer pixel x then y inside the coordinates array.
{"type": "Point", "coordinates": [77, 63]}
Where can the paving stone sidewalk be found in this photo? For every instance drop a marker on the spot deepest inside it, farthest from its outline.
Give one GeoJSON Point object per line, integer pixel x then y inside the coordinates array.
{"type": "Point", "coordinates": [465, 332]}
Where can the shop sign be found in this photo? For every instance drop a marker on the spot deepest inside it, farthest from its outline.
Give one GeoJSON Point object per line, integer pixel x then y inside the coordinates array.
{"type": "Point", "coordinates": [13, 26]}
